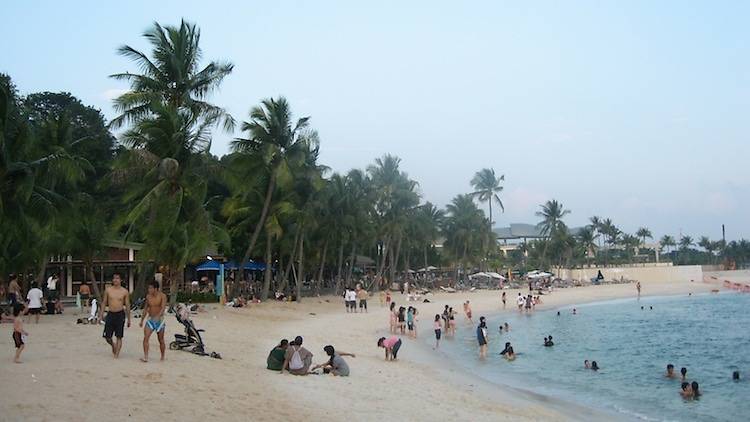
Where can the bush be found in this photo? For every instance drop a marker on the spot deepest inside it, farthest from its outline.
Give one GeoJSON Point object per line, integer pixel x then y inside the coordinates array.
{"type": "Point", "coordinates": [185, 297]}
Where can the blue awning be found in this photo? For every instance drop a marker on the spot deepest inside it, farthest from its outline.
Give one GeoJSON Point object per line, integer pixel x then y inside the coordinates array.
{"type": "Point", "coordinates": [213, 265]}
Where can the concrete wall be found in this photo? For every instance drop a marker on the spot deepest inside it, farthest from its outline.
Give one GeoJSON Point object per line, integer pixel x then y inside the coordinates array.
{"type": "Point", "coordinates": [643, 274]}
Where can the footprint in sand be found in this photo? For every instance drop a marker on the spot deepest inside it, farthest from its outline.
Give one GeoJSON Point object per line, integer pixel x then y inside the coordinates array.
{"type": "Point", "coordinates": [153, 376]}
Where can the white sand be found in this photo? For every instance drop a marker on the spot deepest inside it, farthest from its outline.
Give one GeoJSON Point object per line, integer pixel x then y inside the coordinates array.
{"type": "Point", "coordinates": [68, 372]}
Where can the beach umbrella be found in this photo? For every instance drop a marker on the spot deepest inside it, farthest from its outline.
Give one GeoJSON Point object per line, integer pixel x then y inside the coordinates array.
{"type": "Point", "coordinates": [479, 274]}
{"type": "Point", "coordinates": [495, 275]}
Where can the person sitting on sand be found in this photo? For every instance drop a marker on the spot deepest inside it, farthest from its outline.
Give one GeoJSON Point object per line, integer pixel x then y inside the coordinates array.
{"type": "Point", "coordinates": [275, 360]}
{"type": "Point", "coordinates": [594, 366]}
{"type": "Point", "coordinates": [670, 371]}
{"type": "Point", "coordinates": [391, 345]}
{"type": "Point", "coordinates": [508, 352]}
{"type": "Point", "coordinates": [297, 359]}
{"type": "Point", "coordinates": [335, 365]}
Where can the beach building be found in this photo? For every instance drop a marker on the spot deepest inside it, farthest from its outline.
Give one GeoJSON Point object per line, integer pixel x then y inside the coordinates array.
{"type": "Point", "coordinates": [118, 256]}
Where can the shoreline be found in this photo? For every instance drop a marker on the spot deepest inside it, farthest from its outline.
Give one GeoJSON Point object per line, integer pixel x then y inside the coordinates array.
{"type": "Point", "coordinates": [422, 385]}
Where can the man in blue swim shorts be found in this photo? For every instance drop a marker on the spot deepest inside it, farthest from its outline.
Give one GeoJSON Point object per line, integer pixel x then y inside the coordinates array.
{"type": "Point", "coordinates": [153, 315]}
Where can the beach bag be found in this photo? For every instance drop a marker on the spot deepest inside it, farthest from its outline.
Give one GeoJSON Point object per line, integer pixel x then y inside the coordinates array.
{"type": "Point", "coordinates": [295, 363]}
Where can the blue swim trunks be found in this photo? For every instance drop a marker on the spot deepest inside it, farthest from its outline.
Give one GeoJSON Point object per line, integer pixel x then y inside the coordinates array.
{"type": "Point", "coordinates": [156, 324]}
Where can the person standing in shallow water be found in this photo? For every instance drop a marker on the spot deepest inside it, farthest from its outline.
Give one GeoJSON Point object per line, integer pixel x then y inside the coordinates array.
{"type": "Point", "coordinates": [482, 337]}
{"type": "Point", "coordinates": [438, 331]}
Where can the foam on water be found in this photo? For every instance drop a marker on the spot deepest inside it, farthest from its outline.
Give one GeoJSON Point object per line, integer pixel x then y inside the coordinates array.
{"type": "Point", "coordinates": [707, 334]}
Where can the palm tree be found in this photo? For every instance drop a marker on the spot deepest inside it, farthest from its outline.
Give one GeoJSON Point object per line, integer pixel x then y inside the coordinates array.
{"type": "Point", "coordinates": [596, 224]}
{"type": "Point", "coordinates": [487, 187]}
{"type": "Point", "coordinates": [587, 238]}
{"type": "Point", "coordinates": [552, 213]}
{"type": "Point", "coordinates": [38, 175]}
{"type": "Point", "coordinates": [686, 242]}
{"type": "Point", "coordinates": [395, 194]}
{"type": "Point", "coordinates": [667, 242]}
{"type": "Point", "coordinates": [706, 243]}
{"type": "Point", "coordinates": [630, 243]}
{"type": "Point", "coordinates": [172, 76]}
{"type": "Point", "coordinates": [643, 233]}
{"type": "Point", "coordinates": [281, 144]}
{"type": "Point", "coordinates": [165, 188]}
{"type": "Point", "coordinates": [464, 237]}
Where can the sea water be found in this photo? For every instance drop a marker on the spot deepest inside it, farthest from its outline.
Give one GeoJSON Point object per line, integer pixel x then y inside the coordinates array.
{"type": "Point", "coordinates": [707, 334]}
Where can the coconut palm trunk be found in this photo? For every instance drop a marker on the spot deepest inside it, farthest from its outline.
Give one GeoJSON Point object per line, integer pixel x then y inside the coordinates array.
{"type": "Point", "coordinates": [261, 221]}
{"type": "Point", "coordinates": [322, 266]}
{"type": "Point", "coordinates": [352, 261]}
{"type": "Point", "coordinates": [301, 278]}
{"type": "Point", "coordinates": [337, 286]}
{"type": "Point", "coordinates": [268, 271]}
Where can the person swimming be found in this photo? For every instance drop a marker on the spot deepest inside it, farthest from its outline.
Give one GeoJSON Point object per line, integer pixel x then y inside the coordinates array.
{"type": "Point", "coordinates": [685, 390]}
{"type": "Point", "coordinates": [683, 371]}
{"type": "Point", "coordinates": [548, 342]}
{"type": "Point", "coordinates": [696, 390]}
{"type": "Point", "coordinates": [736, 375]}
{"type": "Point", "coordinates": [670, 371]}
{"type": "Point", "coordinates": [594, 366]}
{"type": "Point", "coordinates": [508, 352]}
{"type": "Point", "coordinates": [586, 364]}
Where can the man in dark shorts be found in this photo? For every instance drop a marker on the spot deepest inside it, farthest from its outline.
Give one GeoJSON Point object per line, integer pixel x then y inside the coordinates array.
{"type": "Point", "coordinates": [117, 299]}
{"type": "Point", "coordinates": [362, 297]}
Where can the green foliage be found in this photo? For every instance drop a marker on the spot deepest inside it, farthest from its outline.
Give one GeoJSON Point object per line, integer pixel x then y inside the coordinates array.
{"type": "Point", "coordinates": [187, 297]}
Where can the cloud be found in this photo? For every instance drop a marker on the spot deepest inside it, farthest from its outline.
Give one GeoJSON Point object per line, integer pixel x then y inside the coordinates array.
{"type": "Point", "coordinates": [113, 93]}
{"type": "Point", "coordinates": [523, 201]}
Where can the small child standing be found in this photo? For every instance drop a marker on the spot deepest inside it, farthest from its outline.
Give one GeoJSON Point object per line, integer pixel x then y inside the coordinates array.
{"type": "Point", "coordinates": [18, 332]}
{"type": "Point", "coordinates": [438, 331]}
{"type": "Point", "coordinates": [410, 321]}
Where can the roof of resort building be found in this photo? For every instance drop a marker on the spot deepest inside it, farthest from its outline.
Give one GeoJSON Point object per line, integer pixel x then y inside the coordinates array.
{"type": "Point", "coordinates": [525, 231]}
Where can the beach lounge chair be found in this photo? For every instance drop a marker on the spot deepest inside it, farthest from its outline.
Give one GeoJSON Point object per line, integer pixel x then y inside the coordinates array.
{"type": "Point", "coordinates": [448, 289]}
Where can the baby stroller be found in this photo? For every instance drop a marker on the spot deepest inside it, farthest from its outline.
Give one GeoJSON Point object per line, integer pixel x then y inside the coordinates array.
{"type": "Point", "coordinates": [136, 308]}
{"type": "Point", "coordinates": [191, 341]}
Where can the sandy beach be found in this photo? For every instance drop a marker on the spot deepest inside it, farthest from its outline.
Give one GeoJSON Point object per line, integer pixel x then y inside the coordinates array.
{"type": "Point", "coordinates": [68, 372]}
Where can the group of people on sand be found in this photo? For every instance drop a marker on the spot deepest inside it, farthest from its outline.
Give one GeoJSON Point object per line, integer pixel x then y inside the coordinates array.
{"type": "Point", "coordinates": [354, 297]}
{"type": "Point", "coordinates": [295, 359]}
{"type": "Point", "coordinates": [116, 300]}
{"type": "Point", "coordinates": [403, 320]}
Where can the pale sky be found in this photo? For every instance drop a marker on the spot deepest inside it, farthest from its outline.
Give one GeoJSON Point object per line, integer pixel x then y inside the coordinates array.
{"type": "Point", "coordinates": [633, 110]}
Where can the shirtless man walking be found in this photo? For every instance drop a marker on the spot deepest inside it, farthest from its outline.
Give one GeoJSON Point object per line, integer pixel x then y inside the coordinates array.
{"type": "Point", "coordinates": [117, 299]}
{"type": "Point", "coordinates": [153, 314]}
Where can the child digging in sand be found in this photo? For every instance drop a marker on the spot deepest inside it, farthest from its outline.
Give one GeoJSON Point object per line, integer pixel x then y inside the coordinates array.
{"type": "Point", "coordinates": [18, 332]}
